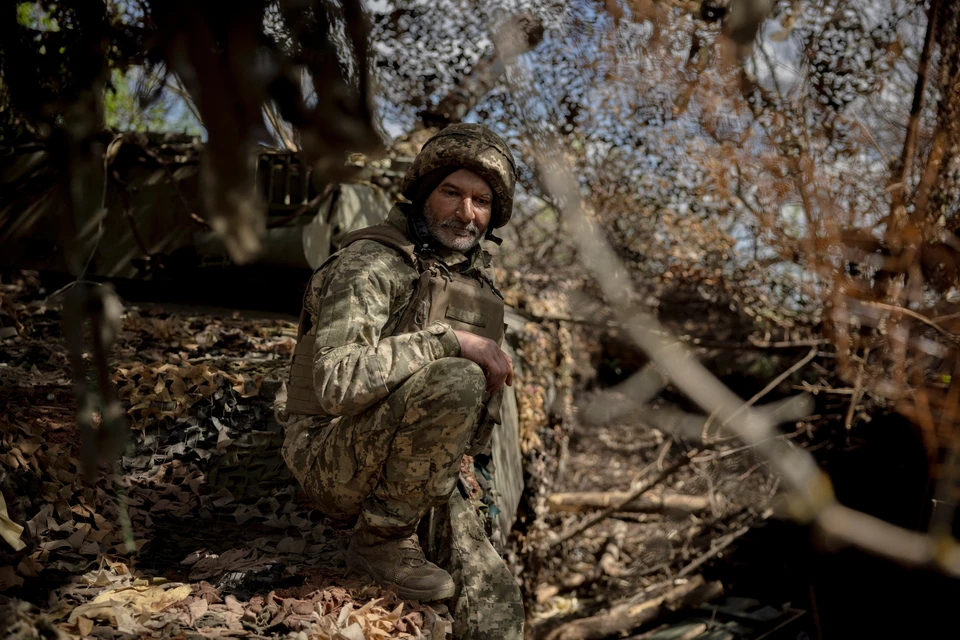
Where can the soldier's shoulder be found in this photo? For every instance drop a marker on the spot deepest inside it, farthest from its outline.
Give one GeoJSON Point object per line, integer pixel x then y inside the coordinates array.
{"type": "Point", "coordinates": [373, 254]}
{"type": "Point", "coordinates": [359, 265]}
{"type": "Point", "coordinates": [367, 260]}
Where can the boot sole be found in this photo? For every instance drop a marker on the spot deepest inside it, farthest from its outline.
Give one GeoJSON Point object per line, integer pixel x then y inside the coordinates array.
{"type": "Point", "coordinates": [406, 593]}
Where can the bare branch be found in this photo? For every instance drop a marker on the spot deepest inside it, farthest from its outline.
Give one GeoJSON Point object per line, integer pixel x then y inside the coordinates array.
{"type": "Point", "coordinates": [281, 129]}
{"type": "Point", "coordinates": [913, 124]}
{"type": "Point", "coordinates": [767, 389]}
{"type": "Point", "coordinates": [645, 486]}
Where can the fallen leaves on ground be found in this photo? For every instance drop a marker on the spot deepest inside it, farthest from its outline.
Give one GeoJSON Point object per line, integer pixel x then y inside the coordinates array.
{"type": "Point", "coordinates": [222, 543]}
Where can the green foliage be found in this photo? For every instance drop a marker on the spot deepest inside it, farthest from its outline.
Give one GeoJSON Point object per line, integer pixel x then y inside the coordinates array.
{"type": "Point", "coordinates": [34, 16]}
{"type": "Point", "coordinates": [52, 40]}
{"type": "Point", "coordinates": [124, 110]}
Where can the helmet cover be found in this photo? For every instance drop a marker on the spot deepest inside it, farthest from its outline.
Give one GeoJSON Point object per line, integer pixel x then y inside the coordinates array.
{"type": "Point", "coordinates": [468, 146]}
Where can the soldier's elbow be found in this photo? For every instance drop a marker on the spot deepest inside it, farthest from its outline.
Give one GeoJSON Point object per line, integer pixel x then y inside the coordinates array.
{"type": "Point", "coordinates": [328, 395]}
{"type": "Point", "coordinates": [331, 399]}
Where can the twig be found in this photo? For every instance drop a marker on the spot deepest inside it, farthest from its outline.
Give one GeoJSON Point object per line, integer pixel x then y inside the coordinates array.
{"type": "Point", "coordinates": [176, 186]}
{"type": "Point", "coordinates": [629, 616]}
{"type": "Point", "coordinates": [178, 88]}
{"type": "Point", "coordinates": [134, 231]}
{"type": "Point", "coordinates": [279, 127]}
{"type": "Point", "coordinates": [626, 447]}
{"type": "Point", "coordinates": [775, 383]}
{"type": "Point", "coordinates": [647, 571]}
{"type": "Point", "coordinates": [857, 392]}
{"type": "Point", "coordinates": [200, 221]}
{"type": "Point", "coordinates": [633, 495]}
{"type": "Point", "coordinates": [913, 123]}
{"type": "Point", "coordinates": [717, 549]}
{"type": "Point", "coordinates": [847, 526]}
{"type": "Point", "coordinates": [767, 389]}
{"type": "Point", "coordinates": [663, 455]}
{"type": "Point", "coordinates": [783, 436]}
{"type": "Point", "coordinates": [846, 391]}
{"type": "Point", "coordinates": [911, 313]}
{"type": "Point", "coordinates": [773, 72]}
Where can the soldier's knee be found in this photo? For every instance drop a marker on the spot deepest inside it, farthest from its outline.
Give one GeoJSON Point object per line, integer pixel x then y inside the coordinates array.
{"type": "Point", "coordinates": [470, 374]}
{"type": "Point", "coordinates": [461, 381]}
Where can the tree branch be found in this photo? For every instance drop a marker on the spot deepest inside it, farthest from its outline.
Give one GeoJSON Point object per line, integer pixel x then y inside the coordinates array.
{"type": "Point", "coordinates": [913, 123]}
{"type": "Point", "coordinates": [645, 486]}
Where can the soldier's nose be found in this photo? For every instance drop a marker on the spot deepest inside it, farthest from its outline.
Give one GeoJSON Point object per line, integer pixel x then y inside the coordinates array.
{"type": "Point", "coordinates": [466, 210]}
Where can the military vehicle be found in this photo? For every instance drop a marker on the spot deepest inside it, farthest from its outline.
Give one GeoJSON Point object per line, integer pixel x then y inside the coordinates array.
{"type": "Point", "coordinates": [149, 229]}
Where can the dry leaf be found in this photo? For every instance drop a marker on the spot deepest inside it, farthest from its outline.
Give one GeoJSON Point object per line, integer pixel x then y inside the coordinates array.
{"type": "Point", "coordinates": [29, 567]}
{"type": "Point", "coordinates": [10, 531]}
{"type": "Point", "coordinates": [197, 609]}
{"type": "Point", "coordinates": [291, 545]}
{"type": "Point", "coordinates": [344, 614]}
{"type": "Point", "coordinates": [141, 601]}
{"type": "Point", "coordinates": [9, 578]}
{"type": "Point", "coordinates": [233, 604]}
{"type": "Point", "coordinates": [353, 632]}
{"type": "Point", "coordinates": [84, 626]}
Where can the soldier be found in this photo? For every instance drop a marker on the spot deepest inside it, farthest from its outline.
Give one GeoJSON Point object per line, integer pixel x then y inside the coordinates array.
{"type": "Point", "coordinates": [398, 370]}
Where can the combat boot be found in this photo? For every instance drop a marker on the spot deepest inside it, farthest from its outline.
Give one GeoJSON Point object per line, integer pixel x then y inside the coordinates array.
{"type": "Point", "coordinates": [399, 562]}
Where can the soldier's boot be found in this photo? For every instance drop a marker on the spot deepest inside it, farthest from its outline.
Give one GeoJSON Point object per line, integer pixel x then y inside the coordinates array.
{"type": "Point", "coordinates": [399, 562]}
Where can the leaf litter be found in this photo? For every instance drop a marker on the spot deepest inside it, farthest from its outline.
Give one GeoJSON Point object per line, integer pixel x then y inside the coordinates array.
{"type": "Point", "coordinates": [198, 530]}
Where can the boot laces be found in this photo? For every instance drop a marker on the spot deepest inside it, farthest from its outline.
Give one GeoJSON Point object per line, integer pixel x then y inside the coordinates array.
{"type": "Point", "coordinates": [411, 552]}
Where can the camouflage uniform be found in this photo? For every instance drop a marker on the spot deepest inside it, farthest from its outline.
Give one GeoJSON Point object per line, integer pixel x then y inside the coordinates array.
{"type": "Point", "coordinates": [488, 605]}
{"type": "Point", "coordinates": [401, 409]}
{"type": "Point", "coordinates": [408, 407]}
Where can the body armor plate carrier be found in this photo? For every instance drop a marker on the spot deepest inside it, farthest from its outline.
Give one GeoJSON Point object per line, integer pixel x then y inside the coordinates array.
{"type": "Point", "coordinates": [465, 302]}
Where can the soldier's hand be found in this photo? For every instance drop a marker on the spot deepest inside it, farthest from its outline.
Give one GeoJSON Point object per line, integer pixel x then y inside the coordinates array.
{"type": "Point", "coordinates": [491, 358]}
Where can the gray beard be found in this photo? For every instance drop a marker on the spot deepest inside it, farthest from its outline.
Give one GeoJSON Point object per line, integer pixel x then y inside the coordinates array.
{"type": "Point", "coordinates": [442, 232]}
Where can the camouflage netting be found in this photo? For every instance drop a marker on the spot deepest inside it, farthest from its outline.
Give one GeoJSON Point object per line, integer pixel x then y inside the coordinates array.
{"type": "Point", "coordinates": [199, 527]}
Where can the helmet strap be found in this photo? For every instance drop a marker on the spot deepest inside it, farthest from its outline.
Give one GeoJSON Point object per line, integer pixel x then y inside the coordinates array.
{"type": "Point", "coordinates": [418, 231]}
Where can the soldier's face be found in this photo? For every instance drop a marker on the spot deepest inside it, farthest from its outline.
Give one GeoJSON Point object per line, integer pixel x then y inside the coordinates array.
{"type": "Point", "coordinates": [458, 211]}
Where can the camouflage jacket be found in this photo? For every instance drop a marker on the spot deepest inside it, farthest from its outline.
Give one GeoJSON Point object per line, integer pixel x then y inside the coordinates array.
{"type": "Point", "coordinates": [355, 303]}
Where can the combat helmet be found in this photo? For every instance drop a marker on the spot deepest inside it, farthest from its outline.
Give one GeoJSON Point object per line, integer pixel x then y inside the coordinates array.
{"type": "Point", "coordinates": [474, 147]}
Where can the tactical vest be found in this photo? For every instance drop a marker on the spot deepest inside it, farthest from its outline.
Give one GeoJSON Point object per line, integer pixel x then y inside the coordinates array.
{"type": "Point", "coordinates": [464, 302]}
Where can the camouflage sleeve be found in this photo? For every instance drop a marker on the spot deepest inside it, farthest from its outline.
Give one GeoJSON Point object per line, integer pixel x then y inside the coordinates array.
{"type": "Point", "coordinates": [353, 366]}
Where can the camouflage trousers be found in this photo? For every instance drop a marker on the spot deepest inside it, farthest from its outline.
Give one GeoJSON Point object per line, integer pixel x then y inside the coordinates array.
{"type": "Point", "coordinates": [487, 604]}
{"type": "Point", "coordinates": [398, 459]}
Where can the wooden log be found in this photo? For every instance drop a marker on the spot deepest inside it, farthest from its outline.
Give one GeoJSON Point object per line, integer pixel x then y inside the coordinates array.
{"type": "Point", "coordinates": [638, 492]}
{"type": "Point", "coordinates": [627, 617]}
{"type": "Point", "coordinates": [568, 583]}
{"type": "Point", "coordinates": [579, 502]}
